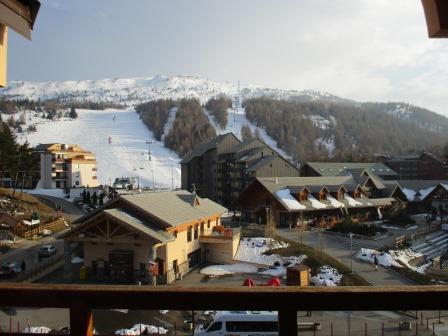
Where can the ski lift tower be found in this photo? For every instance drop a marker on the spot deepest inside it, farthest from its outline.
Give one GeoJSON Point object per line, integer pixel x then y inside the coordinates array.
{"type": "Point", "coordinates": [236, 102]}
{"type": "Point", "coordinates": [149, 143]}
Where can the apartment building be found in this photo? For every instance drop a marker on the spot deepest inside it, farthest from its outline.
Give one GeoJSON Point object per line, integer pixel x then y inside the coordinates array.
{"type": "Point", "coordinates": [222, 168]}
{"type": "Point", "coordinates": [66, 166]}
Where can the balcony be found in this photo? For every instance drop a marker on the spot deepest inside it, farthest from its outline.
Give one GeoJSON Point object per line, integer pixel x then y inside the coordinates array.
{"type": "Point", "coordinates": [81, 299]}
{"type": "Point", "coordinates": [227, 235]}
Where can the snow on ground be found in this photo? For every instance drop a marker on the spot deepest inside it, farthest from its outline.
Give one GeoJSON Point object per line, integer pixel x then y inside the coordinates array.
{"type": "Point", "coordinates": [126, 155]}
{"type": "Point", "coordinates": [142, 329]}
{"type": "Point", "coordinates": [249, 257]}
{"type": "Point", "coordinates": [251, 250]}
{"type": "Point", "coordinates": [216, 270]}
{"type": "Point", "coordinates": [406, 255]}
{"type": "Point", "coordinates": [50, 192]}
{"type": "Point", "coordinates": [384, 259]}
{"type": "Point", "coordinates": [328, 144]}
{"type": "Point", "coordinates": [169, 122]}
{"type": "Point", "coordinates": [327, 276]}
{"type": "Point", "coordinates": [37, 330]}
{"type": "Point", "coordinates": [236, 119]}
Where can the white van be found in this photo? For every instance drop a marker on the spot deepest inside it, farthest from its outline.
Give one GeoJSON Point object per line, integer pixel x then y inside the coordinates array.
{"type": "Point", "coordinates": [241, 323]}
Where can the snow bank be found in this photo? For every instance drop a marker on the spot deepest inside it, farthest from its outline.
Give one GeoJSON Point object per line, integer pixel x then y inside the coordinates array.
{"type": "Point", "coordinates": [384, 259]}
{"type": "Point", "coordinates": [216, 270]}
{"type": "Point", "coordinates": [315, 203]}
{"type": "Point", "coordinates": [285, 197]}
{"type": "Point", "coordinates": [327, 276]}
{"type": "Point", "coordinates": [139, 329]}
{"type": "Point", "coordinates": [37, 330]}
{"type": "Point", "coordinates": [405, 256]}
{"type": "Point", "coordinates": [251, 250]}
{"type": "Point", "coordinates": [77, 260]}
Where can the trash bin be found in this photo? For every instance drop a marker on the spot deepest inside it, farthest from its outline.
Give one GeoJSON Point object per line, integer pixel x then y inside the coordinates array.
{"type": "Point", "coordinates": [82, 273]}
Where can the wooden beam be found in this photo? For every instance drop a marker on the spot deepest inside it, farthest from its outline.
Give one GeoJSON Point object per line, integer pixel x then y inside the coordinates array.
{"type": "Point", "coordinates": [225, 298]}
{"type": "Point", "coordinates": [3, 54]}
{"type": "Point", "coordinates": [436, 14]}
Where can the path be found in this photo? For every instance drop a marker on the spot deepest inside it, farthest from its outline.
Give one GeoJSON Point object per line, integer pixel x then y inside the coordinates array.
{"type": "Point", "coordinates": [71, 211]}
{"type": "Point", "coordinates": [339, 250]}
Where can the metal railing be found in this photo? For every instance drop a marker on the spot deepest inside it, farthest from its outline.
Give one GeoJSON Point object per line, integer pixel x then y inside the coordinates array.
{"type": "Point", "coordinates": [82, 299]}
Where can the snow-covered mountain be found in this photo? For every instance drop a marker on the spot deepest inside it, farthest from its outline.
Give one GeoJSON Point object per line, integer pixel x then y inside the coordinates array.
{"type": "Point", "coordinates": [134, 90]}
{"type": "Point", "coordinates": [127, 154]}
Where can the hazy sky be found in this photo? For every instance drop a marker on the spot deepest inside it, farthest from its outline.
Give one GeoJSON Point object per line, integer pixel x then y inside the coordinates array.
{"type": "Point", "coordinates": [360, 49]}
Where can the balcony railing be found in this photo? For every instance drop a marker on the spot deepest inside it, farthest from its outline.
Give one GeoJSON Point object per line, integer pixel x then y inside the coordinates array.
{"type": "Point", "coordinates": [82, 299]}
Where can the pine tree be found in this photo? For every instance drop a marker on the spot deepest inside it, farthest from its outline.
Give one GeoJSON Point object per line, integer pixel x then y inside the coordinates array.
{"type": "Point", "coordinates": [84, 196]}
{"type": "Point", "coordinates": [88, 198]}
{"type": "Point", "coordinates": [73, 113]}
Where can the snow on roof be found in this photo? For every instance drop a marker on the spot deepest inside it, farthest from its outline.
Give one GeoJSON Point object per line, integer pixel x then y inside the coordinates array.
{"type": "Point", "coordinates": [285, 197]}
{"type": "Point", "coordinates": [425, 192]}
{"type": "Point", "coordinates": [315, 203]}
{"type": "Point", "coordinates": [351, 201]}
{"type": "Point", "coordinates": [410, 194]}
{"type": "Point", "coordinates": [334, 202]}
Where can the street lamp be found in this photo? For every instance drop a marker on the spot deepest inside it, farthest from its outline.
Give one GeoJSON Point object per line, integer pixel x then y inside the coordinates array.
{"type": "Point", "coordinates": [351, 252]}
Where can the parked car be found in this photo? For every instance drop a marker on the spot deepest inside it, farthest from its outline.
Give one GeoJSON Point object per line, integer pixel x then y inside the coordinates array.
{"type": "Point", "coordinates": [10, 270]}
{"type": "Point", "coordinates": [47, 250]}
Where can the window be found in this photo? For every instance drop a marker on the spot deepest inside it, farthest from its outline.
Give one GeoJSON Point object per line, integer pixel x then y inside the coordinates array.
{"type": "Point", "coordinates": [251, 326]}
{"type": "Point", "coordinates": [190, 228]}
{"type": "Point", "coordinates": [77, 183]}
{"type": "Point", "coordinates": [215, 326]}
{"type": "Point", "coordinates": [93, 177]}
{"type": "Point", "coordinates": [77, 174]}
{"type": "Point", "coordinates": [196, 231]}
{"type": "Point", "coordinates": [175, 234]}
{"type": "Point", "coordinates": [208, 224]}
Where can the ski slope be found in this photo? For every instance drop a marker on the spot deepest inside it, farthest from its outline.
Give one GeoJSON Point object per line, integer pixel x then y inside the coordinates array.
{"type": "Point", "coordinates": [126, 155]}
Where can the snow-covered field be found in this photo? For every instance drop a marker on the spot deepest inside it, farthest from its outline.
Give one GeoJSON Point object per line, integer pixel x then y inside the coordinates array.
{"type": "Point", "coordinates": [126, 155]}
{"type": "Point", "coordinates": [249, 257]}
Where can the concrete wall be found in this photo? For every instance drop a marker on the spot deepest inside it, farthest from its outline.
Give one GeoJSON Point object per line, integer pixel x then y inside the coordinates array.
{"type": "Point", "coordinates": [83, 174]}
{"type": "Point", "coordinates": [180, 248]}
{"type": "Point", "coordinates": [45, 171]}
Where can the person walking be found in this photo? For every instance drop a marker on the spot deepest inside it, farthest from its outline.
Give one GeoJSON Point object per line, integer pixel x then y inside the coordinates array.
{"type": "Point", "coordinates": [376, 262]}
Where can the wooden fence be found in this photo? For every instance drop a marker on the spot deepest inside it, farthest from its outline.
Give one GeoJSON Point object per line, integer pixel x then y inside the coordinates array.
{"type": "Point", "coordinates": [29, 234]}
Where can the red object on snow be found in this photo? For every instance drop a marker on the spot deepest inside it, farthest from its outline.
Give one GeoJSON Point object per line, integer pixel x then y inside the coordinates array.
{"type": "Point", "coordinates": [274, 282]}
{"type": "Point", "coordinates": [249, 282]}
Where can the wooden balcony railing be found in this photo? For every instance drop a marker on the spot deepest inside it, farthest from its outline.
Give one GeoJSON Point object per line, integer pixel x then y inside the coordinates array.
{"type": "Point", "coordinates": [81, 299]}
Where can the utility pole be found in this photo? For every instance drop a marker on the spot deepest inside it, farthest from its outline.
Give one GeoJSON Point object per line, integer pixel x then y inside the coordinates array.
{"type": "Point", "coordinates": [149, 142]}
{"type": "Point", "coordinates": [351, 252]}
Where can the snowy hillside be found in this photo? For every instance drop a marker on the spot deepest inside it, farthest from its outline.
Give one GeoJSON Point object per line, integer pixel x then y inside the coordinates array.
{"type": "Point", "coordinates": [135, 90]}
{"type": "Point", "coordinates": [126, 155]}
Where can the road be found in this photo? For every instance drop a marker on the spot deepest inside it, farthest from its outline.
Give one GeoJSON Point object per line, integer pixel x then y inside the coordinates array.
{"type": "Point", "coordinates": [71, 211]}
{"type": "Point", "coordinates": [27, 250]}
{"type": "Point", "coordinates": [340, 249]}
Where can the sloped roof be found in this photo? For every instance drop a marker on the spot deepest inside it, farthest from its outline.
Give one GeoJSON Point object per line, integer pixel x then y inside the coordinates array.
{"type": "Point", "coordinates": [340, 168]}
{"type": "Point", "coordinates": [174, 207]}
{"type": "Point", "coordinates": [145, 227]}
{"type": "Point", "coordinates": [273, 184]}
{"type": "Point", "coordinates": [205, 147]}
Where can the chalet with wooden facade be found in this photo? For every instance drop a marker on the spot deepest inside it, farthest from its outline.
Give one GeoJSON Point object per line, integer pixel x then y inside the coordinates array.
{"type": "Point", "coordinates": [176, 230]}
{"type": "Point", "coordinates": [222, 168]}
{"type": "Point", "coordinates": [426, 196]}
{"type": "Point", "coordinates": [322, 201]}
